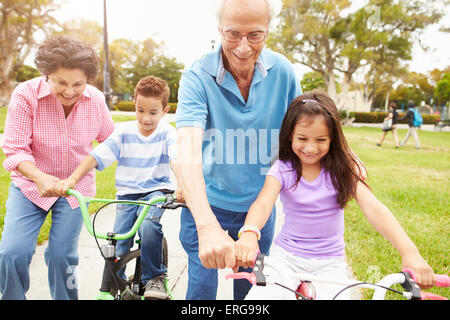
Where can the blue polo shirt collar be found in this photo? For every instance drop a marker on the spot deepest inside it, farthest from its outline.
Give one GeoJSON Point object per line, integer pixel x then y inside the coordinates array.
{"type": "Point", "coordinates": [213, 64]}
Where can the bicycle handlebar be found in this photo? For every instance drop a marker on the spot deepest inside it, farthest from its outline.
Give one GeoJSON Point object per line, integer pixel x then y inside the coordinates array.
{"type": "Point", "coordinates": [406, 278]}
{"type": "Point", "coordinates": [165, 202]}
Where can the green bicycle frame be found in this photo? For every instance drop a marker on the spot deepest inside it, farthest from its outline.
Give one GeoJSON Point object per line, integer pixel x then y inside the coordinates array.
{"type": "Point", "coordinates": [82, 200]}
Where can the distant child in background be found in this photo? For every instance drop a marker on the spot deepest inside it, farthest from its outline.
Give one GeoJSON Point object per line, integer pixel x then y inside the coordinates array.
{"type": "Point", "coordinates": [393, 114]}
{"type": "Point", "coordinates": [316, 176]}
{"type": "Point", "coordinates": [143, 150]}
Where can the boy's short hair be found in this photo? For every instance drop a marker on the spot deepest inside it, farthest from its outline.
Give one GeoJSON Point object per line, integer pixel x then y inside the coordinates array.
{"type": "Point", "coordinates": [151, 86]}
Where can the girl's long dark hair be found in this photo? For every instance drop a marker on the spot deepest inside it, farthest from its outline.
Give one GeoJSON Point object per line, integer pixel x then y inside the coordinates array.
{"type": "Point", "coordinates": [340, 161]}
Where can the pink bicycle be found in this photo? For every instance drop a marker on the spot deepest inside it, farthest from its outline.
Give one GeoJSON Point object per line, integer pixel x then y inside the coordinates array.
{"type": "Point", "coordinates": [306, 290]}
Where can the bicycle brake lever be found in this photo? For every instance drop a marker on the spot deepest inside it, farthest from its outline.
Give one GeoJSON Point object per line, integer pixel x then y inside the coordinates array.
{"type": "Point", "coordinates": [258, 268]}
{"type": "Point", "coordinates": [441, 280]}
{"type": "Point", "coordinates": [171, 204]}
{"type": "Point", "coordinates": [410, 285]}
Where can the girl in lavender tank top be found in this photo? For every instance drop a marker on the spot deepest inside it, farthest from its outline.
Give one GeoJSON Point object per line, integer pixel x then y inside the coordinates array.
{"type": "Point", "coordinates": [316, 176]}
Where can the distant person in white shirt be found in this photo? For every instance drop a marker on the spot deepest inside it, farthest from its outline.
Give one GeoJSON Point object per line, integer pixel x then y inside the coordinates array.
{"type": "Point", "coordinates": [144, 150]}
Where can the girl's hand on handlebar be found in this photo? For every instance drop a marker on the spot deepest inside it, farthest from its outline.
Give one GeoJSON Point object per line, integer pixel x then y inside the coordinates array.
{"type": "Point", "coordinates": [423, 272]}
{"type": "Point", "coordinates": [245, 249]}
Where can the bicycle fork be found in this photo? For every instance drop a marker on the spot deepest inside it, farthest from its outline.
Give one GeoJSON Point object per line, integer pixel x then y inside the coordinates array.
{"type": "Point", "coordinates": [110, 277]}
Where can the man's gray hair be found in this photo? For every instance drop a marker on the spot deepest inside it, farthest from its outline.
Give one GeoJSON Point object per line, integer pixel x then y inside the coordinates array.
{"type": "Point", "coordinates": [274, 8]}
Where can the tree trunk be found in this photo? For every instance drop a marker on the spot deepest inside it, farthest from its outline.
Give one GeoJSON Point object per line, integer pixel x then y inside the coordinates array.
{"type": "Point", "coordinates": [331, 86]}
{"type": "Point", "coordinates": [5, 94]}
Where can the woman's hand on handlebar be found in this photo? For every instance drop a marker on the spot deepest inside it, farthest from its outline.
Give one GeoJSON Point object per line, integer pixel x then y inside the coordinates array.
{"type": "Point", "coordinates": [61, 187]}
{"type": "Point", "coordinates": [46, 184]}
{"type": "Point", "coordinates": [245, 249]}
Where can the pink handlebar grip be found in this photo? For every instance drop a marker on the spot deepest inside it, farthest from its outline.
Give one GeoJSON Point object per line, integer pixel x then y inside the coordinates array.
{"type": "Point", "coordinates": [431, 296]}
{"type": "Point", "coordinates": [242, 275]}
{"type": "Point", "coordinates": [442, 280]}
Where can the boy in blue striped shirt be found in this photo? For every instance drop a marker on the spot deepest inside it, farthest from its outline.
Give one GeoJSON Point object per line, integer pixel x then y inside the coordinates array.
{"type": "Point", "coordinates": [144, 150]}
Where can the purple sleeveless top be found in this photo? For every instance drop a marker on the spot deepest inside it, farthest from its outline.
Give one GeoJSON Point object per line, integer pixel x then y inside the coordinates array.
{"type": "Point", "coordinates": [314, 222]}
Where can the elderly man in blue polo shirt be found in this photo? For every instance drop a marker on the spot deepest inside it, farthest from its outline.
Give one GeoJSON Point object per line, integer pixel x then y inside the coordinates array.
{"type": "Point", "coordinates": [231, 104]}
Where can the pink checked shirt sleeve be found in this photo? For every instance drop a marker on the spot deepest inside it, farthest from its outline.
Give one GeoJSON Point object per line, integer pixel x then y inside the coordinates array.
{"type": "Point", "coordinates": [36, 130]}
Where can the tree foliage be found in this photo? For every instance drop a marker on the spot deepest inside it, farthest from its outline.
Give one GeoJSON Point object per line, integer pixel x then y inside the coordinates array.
{"type": "Point", "coordinates": [304, 35]}
{"type": "Point", "coordinates": [129, 60]}
{"type": "Point", "coordinates": [19, 21]}
{"type": "Point", "coordinates": [373, 40]}
{"type": "Point", "coordinates": [442, 90]}
{"type": "Point", "coordinates": [417, 87]}
{"type": "Point", "coordinates": [311, 81]}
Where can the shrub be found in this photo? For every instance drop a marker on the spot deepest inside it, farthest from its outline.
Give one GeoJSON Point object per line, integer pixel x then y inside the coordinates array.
{"type": "Point", "coordinates": [427, 118]}
{"type": "Point", "coordinates": [124, 106]}
{"type": "Point", "coordinates": [129, 106]}
{"type": "Point", "coordinates": [430, 118]}
{"type": "Point", "coordinates": [343, 114]}
{"type": "Point", "coordinates": [173, 107]}
{"type": "Point", "coordinates": [378, 117]}
{"type": "Point", "coordinates": [366, 117]}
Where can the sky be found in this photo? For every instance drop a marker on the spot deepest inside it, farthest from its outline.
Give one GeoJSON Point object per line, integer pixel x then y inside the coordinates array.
{"type": "Point", "coordinates": [187, 27]}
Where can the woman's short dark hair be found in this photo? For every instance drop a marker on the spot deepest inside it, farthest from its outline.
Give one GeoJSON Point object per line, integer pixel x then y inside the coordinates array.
{"type": "Point", "coordinates": [64, 52]}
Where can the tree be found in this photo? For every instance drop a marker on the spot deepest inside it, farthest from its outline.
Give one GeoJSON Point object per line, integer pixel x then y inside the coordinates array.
{"type": "Point", "coordinates": [312, 80]}
{"type": "Point", "coordinates": [83, 29]}
{"type": "Point", "coordinates": [19, 20]}
{"type": "Point", "coordinates": [129, 60]}
{"type": "Point", "coordinates": [373, 40]}
{"type": "Point", "coordinates": [120, 60]}
{"type": "Point", "coordinates": [168, 69]}
{"type": "Point", "coordinates": [386, 31]}
{"type": "Point", "coordinates": [304, 36]}
{"type": "Point", "coordinates": [26, 72]}
{"type": "Point", "coordinates": [148, 58]}
{"type": "Point", "coordinates": [442, 90]}
{"type": "Point", "coordinates": [90, 32]}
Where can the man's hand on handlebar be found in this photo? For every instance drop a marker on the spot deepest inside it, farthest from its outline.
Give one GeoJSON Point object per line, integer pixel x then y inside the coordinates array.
{"type": "Point", "coordinates": [216, 248]}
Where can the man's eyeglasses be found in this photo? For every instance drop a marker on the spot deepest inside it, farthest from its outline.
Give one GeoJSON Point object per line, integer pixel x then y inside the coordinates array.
{"type": "Point", "coordinates": [236, 37]}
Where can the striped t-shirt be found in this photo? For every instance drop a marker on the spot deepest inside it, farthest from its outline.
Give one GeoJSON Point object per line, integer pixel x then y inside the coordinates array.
{"type": "Point", "coordinates": [142, 162]}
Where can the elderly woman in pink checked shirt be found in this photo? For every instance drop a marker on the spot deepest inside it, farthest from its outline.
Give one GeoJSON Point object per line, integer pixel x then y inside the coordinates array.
{"type": "Point", "coordinates": [50, 125]}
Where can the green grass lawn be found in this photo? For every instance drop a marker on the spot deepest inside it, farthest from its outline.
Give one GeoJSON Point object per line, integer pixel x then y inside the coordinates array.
{"type": "Point", "coordinates": [120, 118]}
{"type": "Point", "coordinates": [414, 184]}
{"type": "Point", "coordinates": [2, 118]}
